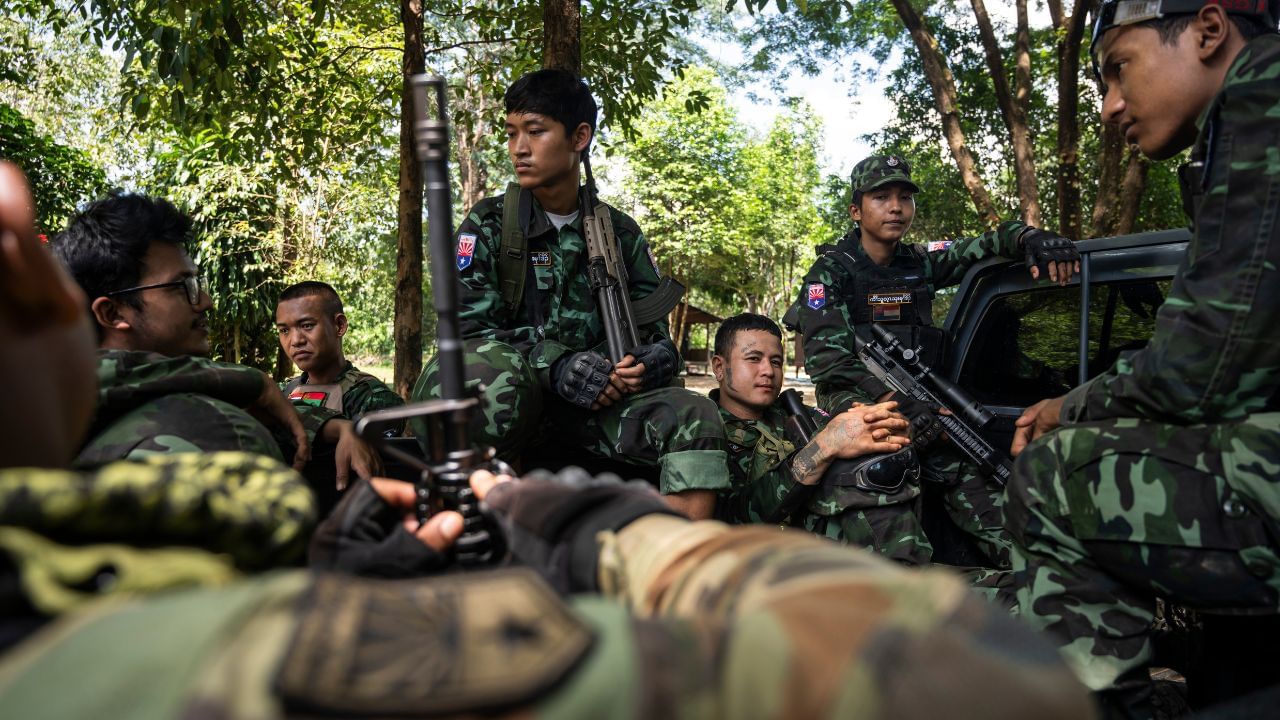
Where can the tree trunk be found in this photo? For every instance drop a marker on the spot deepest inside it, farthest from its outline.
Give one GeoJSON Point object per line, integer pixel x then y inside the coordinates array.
{"type": "Point", "coordinates": [1135, 184]}
{"type": "Point", "coordinates": [471, 137]}
{"type": "Point", "coordinates": [562, 35]}
{"type": "Point", "coordinates": [1013, 108]}
{"type": "Point", "coordinates": [943, 85]}
{"type": "Point", "coordinates": [1070, 220]}
{"type": "Point", "coordinates": [408, 311]}
{"type": "Point", "coordinates": [1055, 13]}
{"type": "Point", "coordinates": [1111, 152]}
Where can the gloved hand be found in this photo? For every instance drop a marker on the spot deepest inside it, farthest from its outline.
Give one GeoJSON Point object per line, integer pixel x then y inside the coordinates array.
{"type": "Point", "coordinates": [659, 361]}
{"type": "Point", "coordinates": [925, 427]}
{"type": "Point", "coordinates": [551, 520]}
{"type": "Point", "coordinates": [1049, 252]}
{"type": "Point", "coordinates": [366, 535]}
{"type": "Point", "coordinates": [580, 377]}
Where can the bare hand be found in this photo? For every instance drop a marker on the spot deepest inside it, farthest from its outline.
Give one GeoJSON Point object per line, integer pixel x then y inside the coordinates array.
{"type": "Point", "coordinates": [482, 481]}
{"type": "Point", "coordinates": [628, 375]}
{"type": "Point", "coordinates": [1036, 421]}
{"type": "Point", "coordinates": [437, 533]}
{"type": "Point", "coordinates": [35, 292]}
{"type": "Point", "coordinates": [273, 408]}
{"type": "Point", "coordinates": [863, 430]}
{"type": "Point", "coordinates": [1059, 272]}
{"type": "Point", "coordinates": [353, 456]}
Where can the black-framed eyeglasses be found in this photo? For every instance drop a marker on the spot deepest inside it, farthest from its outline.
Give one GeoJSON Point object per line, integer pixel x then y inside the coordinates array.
{"type": "Point", "coordinates": [194, 287]}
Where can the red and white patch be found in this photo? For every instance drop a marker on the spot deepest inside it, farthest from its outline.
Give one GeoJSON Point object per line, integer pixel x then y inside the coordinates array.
{"type": "Point", "coordinates": [466, 250]}
{"type": "Point", "coordinates": [937, 245]}
{"type": "Point", "coordinates": [817, 296]}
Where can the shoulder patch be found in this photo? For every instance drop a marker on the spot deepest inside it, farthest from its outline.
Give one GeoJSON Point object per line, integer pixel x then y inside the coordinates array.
{"type": "Point", "coordinates": [817, 296]}
{"type": "Point", "coordinates": [466, 250]}
{"type": "Point", "coordinates": [372, 648]}
{"type": "Point", "coordinates": [936, 245]}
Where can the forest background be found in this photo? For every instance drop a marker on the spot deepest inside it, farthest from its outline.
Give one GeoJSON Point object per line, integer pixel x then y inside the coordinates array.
{"type": "Point", "coordinates": [281, 127]}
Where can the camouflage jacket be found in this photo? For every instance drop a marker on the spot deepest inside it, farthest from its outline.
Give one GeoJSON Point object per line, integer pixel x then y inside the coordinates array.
{"type": "Point", "coordinates": [361, 392]}
{"type": "Point", "coordinates": [134, 528]}
{"type": "Point", "coordinates": [697, 620]}
{"type": "Point", "coordinates": [1215, 354]}
{"type": "Point", "coordinates": [150, 403]}
{"type": "Point", "coordinates": [827, 325]}
{"type": "Point", "coordinates": [760, 462]}
{"type": "Point", "coordinates": [558, 315]}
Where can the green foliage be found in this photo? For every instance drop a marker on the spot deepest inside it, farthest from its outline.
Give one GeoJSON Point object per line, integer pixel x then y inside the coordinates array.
{"type": "Point", "coordinates": [735, 217]}
{"type": "Point", "coordinates": [61, 177]}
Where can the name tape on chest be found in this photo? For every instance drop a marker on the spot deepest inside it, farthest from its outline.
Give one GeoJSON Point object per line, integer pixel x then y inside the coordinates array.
{"type": "Point", "coordinates": [540, 259]}
{"type": "Point", "coordinates": [887, 306]}
{"type": "Point", "coordinates": [466, 250]}
{"type": "Point", "coordinates": [890, 298]}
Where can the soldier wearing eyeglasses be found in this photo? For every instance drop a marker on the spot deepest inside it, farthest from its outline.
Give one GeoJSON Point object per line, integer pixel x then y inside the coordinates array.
{"type": "Point", "coordinates": [158, 392]}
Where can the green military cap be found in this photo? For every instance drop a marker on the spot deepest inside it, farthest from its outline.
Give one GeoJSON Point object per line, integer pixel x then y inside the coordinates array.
{"type": "Point", "coordinates": [880, 170]}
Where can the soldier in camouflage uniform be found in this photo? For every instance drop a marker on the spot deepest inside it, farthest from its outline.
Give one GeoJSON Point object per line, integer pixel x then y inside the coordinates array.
{"type": "Point", "coordinates": [311, 324]}
{"type": "Point", "coordinates": [692, 619]}
{"type": "Point", "coordinates": [871, 276]}
{"type": "Point", "coordinates": [540, 356]}
{"type": "Point", "coordinates": [776, 482]}
{"type": "Point", "coordinates": [158, 394]}
{"type": "Point", "coordinates": [1161, 480]}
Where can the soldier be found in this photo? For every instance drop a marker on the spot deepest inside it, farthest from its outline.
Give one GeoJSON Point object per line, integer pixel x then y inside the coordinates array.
{"type": "Point", "coordinates": [871, 276]}
{"type": "Point", "coordinates": [157, 394]}
{"type": "Point", "coordinates": [311, 324]}
{"type": "Point", "coordinates": [1161, 480]}
{"type": "Point", "coordinates": [539, 352]}
{"type": "Point", "coordinates": [696, 618]}
{"type": "Point", "coordinates": [776, 482]}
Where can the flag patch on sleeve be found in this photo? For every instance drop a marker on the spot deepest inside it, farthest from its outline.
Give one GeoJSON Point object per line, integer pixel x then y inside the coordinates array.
{"type": "Point", "coordinates": [817, 295]}
{"type": "Point", "coordinates": [466, 250]}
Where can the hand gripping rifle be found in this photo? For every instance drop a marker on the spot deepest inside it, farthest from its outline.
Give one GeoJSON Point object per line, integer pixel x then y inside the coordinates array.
{"type": "Point", "coordinates": [608, 276]}
{"type": "Point", "coordinates": [900, 368]}
{"type": "Point", "coordinates": [443, 480]}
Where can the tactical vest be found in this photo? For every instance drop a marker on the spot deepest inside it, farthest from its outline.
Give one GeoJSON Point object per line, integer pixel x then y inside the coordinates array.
{"type": "Point", "coordinates": [898, 298]}
{"type": "Point", "coordinates": [327, 395]}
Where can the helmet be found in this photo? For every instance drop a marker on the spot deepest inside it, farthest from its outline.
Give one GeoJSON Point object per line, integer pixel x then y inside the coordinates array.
{"type": "Point", "coordinates": [1128, 12]}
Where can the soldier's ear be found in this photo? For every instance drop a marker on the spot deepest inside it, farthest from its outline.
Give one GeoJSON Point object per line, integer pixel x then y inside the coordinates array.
{"type": "Point", "coordinates": [855, 212]}
{"type": "Point", "coordinates": [340, 322]}
{"type": "Point", "coordinates": [107, 314]}
{"type": "Point", "coordinates": [581, 137]}
{"type": "Point", "coordinates": [717, 367]}
{"type": "Point", "coordinates": [1210, 29]}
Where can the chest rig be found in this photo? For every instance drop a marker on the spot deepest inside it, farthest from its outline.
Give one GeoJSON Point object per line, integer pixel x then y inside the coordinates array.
{"type": "Point", "coordinates": [896, 296]}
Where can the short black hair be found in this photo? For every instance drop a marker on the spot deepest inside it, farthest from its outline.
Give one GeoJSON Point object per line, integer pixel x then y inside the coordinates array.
{"type": "Point", "coordinates": [315, 288]}
{"type": "Point", "coordinates": [556, 93]}
{"type": "Point", "coordinates": [730, 328]}
{"type": "Point", "coordinates": [104, 245]}
{"type": "Point", "coordinates": [1171, 27]}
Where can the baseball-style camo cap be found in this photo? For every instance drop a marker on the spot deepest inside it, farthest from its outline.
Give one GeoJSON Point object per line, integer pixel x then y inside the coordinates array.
{"type": "Point", "coordinates": [879, 170]}
{"type": "Point", "coordinates": [1114, 13]}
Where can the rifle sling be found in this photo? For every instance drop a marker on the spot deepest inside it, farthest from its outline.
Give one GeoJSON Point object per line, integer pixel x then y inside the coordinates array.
{"type": "Point", "coordinates": [511, 258]}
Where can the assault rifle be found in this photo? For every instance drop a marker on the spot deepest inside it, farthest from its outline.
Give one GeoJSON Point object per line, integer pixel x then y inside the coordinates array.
{"type": "Point", "coordinates": [900, 368]}
{"type": "Point", "coordinates": [443, 479]}
{"type": "Point", "coordinates": [607, 274]}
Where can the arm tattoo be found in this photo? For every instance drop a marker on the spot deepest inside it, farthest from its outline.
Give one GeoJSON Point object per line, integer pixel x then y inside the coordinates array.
{"type": "Point", "coordinates": [804, 464]}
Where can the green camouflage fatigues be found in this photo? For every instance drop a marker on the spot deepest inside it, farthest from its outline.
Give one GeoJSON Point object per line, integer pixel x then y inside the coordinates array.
{"type": "Point", "coordinates": [697, 620]}
{"type": "Point", "coordinates": [759, 460]}
{"type": "Point", "coordinates": [671, 428]}
{"type": "Point", "coordinates": [150, 404]}
{"type": "Point", "coordinates": [361, 392]}
{"type": "Point", "coordinates": [1162, 481]}
{"type": "Point", "coordinates": [841, 378]}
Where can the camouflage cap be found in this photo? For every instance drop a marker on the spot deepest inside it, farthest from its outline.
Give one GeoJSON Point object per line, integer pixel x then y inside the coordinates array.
{"type": "Point", "coordinates": [879, 170]}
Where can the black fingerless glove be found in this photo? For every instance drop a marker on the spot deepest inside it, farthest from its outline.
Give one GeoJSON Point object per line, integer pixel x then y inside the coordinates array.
{"type": "Point", "coordinates": [551, 520]}
{"type": "Point", "coordinates": [366, 536]}
{"type": "Point", "coordinates": [925, 427]}
{"type": "Point", "coordinates": [1044, 247]}
{"type": "Point", "coordinates": [659, 363]}
{"type": "Point", "coordinates": [580, 377]}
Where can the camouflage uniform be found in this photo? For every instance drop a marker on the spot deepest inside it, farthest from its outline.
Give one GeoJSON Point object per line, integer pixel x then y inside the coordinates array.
{"type": "Point", "coordinates": [826, 315]}
{"type": "Point", "coordinates": [150, 404]}
{"type": "Point", "coordinates": [361, 392]}
{"type": "Point", "coordinates": [1162, 480]}
{"type": "Point", "coordinates": [697, 620]}
{"type": "Point", "coordinates": [759, 460]}
{"type": "Point", "coordinates": [671, 428]}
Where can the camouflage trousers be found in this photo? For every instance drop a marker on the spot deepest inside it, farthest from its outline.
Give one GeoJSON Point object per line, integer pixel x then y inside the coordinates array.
{"type": "Point", "coordinates": [676, 430]}
{"type": "Point", "coordinates": [893, 531]}
{"type": "Point", "coordinates": [1107, 516]}
{"type": "Point", "coordinates": [973, 502]}
{"type": "Point", "coordinates": [179, 423]}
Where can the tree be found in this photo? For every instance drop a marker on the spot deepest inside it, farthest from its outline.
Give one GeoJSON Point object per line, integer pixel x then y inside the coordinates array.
{"type": "Point", "coordinates": [61, 177]}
